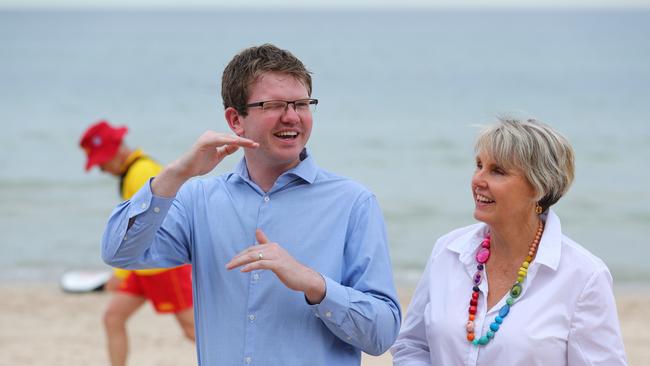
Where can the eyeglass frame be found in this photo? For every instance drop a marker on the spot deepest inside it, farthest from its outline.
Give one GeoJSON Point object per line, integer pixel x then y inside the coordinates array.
{"type": "Point", "coordinates": [312, 101]}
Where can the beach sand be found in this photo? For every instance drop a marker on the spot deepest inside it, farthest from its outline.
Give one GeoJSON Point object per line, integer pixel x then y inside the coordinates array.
{"type": "Point", "coordinates": [41, 325]}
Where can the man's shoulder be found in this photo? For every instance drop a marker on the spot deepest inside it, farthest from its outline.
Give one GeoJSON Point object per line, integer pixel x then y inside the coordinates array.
{"type": "Point", "coordinates": [334, 180]}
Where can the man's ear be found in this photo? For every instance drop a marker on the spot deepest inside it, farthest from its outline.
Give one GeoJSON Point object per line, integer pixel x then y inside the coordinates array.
{"type": "Point", "coordinates": [234, 121]}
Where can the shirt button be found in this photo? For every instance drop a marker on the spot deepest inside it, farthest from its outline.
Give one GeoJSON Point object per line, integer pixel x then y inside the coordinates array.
{"type": "Point", "coordinates": [156, 209]}
{"type": "Point", "coordinates": [266, 199]}
{"type": "Point", "coordinates": [144, 205]}
{"type": "Point", "coordinates": [328, 314]}
{"type": "Point", "coordinates": [251, 317]}
{"type": "Point", "coordinates": [248, 360]}
{"type": "Point", "coordinates": [256, 276]}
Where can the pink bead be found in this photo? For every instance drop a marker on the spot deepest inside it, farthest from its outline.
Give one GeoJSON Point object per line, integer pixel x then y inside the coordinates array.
{"type": "Point", "coordinates": [469, 326]}
{"type": "Point", "coordinates": [483, 255]}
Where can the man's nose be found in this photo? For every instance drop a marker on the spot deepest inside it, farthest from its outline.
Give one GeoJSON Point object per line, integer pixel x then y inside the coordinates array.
{"type": "Point", "coordinates": [290, 114]}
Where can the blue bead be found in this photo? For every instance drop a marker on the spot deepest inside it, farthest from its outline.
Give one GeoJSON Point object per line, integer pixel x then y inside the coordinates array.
{"type": "Point", "coordinates": [494, 326]}
{"type": "Point", "coordinates": [504, 311]}
{"type": "Point", "coordinates": [498, 319]}
{"type": "Point", "coordinates": [490, 334]}
{"type": "Point", "coordinates": [483, 340]}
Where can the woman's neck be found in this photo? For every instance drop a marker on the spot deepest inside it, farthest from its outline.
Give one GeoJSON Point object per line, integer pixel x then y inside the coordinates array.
{"type": "Point", "coordinates": [511, 242]}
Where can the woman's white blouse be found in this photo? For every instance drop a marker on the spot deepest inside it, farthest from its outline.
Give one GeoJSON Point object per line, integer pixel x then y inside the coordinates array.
{"type": "Point", "coordinates": [566, 314]}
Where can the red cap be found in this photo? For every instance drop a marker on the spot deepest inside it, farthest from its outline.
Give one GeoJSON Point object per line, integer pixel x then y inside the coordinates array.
{"type": "Point", "coordinates": [101, 142]}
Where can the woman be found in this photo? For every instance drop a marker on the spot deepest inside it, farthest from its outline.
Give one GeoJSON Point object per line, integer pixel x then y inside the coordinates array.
{"type": "Point", "coordinates": [513, 290]}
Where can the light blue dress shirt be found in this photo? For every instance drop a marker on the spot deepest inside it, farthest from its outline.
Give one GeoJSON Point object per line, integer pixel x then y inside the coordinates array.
{"type": "Point", "coordinates": [325, 221]}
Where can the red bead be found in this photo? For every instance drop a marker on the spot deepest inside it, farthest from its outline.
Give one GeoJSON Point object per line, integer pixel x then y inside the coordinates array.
{"type": "Point", "coordinates": [473, 302]}
{"type": "Point", "coordinates": [470, 336]}
{"type": "Point", "coordinates": [475, 295]}
{"type": "Point", "coordinates": [472, 310]}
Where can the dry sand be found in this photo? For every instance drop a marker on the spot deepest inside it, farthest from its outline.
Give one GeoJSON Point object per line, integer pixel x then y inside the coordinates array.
{"type": "Point", "coordinates": [40, 325]}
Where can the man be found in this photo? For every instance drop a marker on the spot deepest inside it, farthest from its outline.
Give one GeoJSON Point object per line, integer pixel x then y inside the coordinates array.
{"type": "Point", "coordinates": [317, 287]}
{"type": "Point", "coordinates": [169, 290]}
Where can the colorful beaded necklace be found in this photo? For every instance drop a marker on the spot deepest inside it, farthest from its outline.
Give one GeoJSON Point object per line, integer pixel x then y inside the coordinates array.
{"type": "Point", "coordinates": [482, 257]}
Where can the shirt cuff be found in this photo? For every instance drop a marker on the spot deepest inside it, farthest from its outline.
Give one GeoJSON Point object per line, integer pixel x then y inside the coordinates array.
{"type": "Point", "coordinates": [335, 305]}
{"type": "Point", "coordinates": [148, 207]}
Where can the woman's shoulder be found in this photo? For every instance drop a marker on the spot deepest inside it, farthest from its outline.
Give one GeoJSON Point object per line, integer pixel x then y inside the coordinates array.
{"type": "Point", "coordinates": [565, 253]}
{"type": "Point", "coordinates": [580, 258]}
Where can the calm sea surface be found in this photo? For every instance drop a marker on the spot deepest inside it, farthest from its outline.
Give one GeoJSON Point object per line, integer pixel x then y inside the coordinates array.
{"type": "Point", "coordinates": [400, 94]}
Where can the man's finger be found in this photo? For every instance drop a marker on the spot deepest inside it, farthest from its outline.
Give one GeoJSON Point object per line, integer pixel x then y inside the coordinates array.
{"type": "Point", "coordinates": [261, 237]}
{"type": "Point", "coordinates": [241, 141]}
{"type": "Point", "coordinates": [226, 150]}
{"type": "Point", "coordinates": [241, 259]}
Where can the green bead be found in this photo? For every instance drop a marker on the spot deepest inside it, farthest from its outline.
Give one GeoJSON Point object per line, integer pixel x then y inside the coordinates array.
{"type": "Point", "coordinates": [510, 301]}
{"type": "Point", "coordinates": [515, 291]}
{"type": "Point", "coordinates": [475, 342]}
{"type": "Point", "coordinates": [483, 340]}
{"type": "Point", "coordinates": [490, 334]}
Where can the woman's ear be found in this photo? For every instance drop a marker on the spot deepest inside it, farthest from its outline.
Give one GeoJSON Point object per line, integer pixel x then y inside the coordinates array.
{"type": "Point", "coordinates": [234, 120]}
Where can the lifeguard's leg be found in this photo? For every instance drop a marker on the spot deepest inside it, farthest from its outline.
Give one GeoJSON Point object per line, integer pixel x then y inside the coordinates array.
{"type": "Point", "coordinates": [186, 321]}
{"type": "Point", "coordinates": [120, 308]}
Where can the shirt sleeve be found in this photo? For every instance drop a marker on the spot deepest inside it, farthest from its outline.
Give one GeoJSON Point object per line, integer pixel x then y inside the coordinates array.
{"type": "Point", "coordinates": [363, 309]}
{"type": "Point", "coordinates": [412, 347]}
{"type": "Point", "coordinates": [595, 336]}
{"type": "Point", "coordinates": [132, 238]}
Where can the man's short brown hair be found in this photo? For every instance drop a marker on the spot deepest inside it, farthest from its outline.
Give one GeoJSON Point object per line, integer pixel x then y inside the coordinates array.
{"type": "Point", "coordinates": [248, 65]}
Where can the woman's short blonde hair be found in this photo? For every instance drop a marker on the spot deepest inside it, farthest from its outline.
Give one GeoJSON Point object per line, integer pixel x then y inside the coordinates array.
{"type": "Point", "coordinates": [542, 154]}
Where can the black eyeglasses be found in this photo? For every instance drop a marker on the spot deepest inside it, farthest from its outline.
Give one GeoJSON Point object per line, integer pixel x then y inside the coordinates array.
{"type": "Point", "coordinates": [280, 106]}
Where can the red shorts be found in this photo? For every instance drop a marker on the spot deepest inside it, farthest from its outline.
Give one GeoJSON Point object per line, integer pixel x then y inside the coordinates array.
{"type": "Point", "coordinates": [169, 291]}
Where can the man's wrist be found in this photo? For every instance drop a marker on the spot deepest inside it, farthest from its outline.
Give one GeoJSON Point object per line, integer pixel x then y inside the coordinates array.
{"type": "Point", "coordinates": [318, 289]}
{"type": "Point", "coordinates": [168, 182]}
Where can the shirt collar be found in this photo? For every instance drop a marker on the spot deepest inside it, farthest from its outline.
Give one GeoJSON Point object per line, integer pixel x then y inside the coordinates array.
{"type": "Point", "coordinates": [550, 246]}
{"type": "Point", "coordinates": [307, 169]}
{"type": "Point", "coordinates": [548, 252]}
{"type": "Point", "coordinates": [467, 243]}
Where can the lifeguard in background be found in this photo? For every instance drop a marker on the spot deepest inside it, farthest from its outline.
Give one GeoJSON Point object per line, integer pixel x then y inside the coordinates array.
{"type": "Point", "coordinates": [168, 289]}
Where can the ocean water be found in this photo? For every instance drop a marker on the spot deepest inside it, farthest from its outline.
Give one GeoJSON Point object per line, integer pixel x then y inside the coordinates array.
{"type": "Point", "coordinates": [401, 93]}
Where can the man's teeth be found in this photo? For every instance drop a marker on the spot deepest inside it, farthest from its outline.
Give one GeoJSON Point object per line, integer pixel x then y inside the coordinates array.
{"type": "Point", "coordinates": [483, 199]}
{"type": "Point", "coordinates": [287, 134]}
